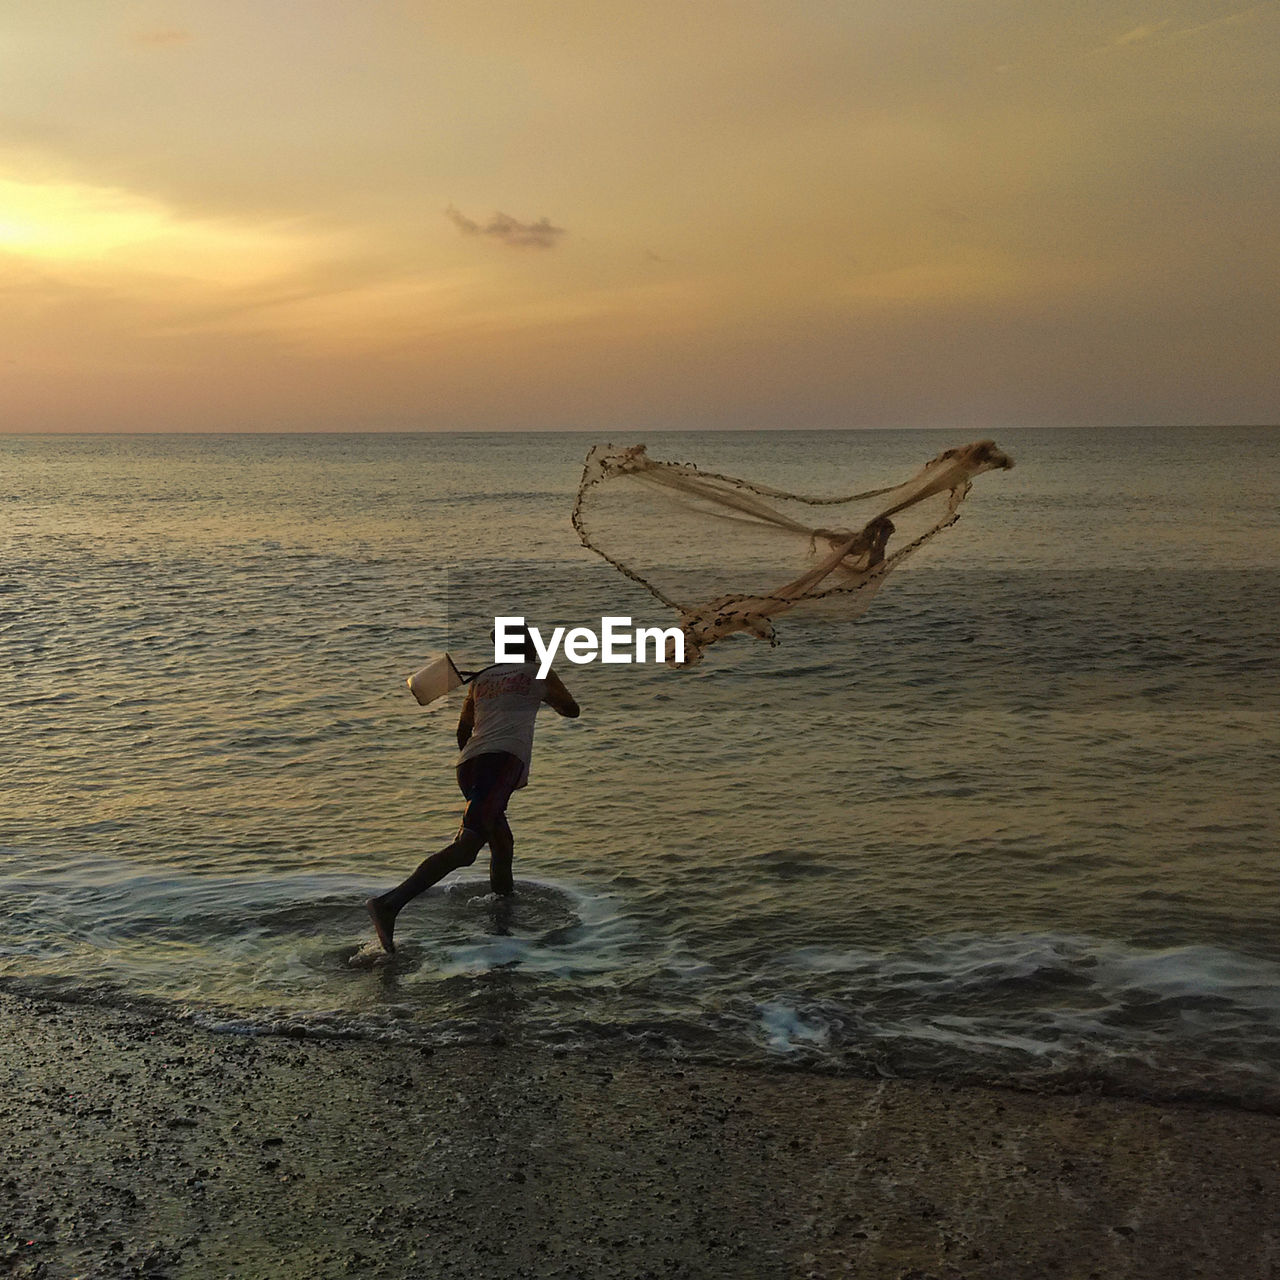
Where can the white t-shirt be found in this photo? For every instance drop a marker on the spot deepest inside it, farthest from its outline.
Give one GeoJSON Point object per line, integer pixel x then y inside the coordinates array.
{"type": "Point", "coordinates": [507, 697]}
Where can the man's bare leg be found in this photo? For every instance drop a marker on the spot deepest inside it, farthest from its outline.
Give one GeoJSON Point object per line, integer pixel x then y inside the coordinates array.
{"type": "Point", "coordinates": [386, 906]}
{"type": "Point", "coordinates": [502, 846]}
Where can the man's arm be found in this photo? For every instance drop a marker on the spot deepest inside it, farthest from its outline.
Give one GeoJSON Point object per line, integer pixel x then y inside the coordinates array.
{"type": "Point", "coordinates": [558, 698]}
{"type": "Point", "coordinates": [467, 720]}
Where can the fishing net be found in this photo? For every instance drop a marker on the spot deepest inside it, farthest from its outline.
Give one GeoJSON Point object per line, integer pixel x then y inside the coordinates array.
{"type": "Point", "coordinates": [686, 535]}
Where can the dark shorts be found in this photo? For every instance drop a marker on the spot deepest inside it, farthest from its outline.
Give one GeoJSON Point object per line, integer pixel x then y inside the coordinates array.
{"type": "Point", "coordinates": [487, 781]}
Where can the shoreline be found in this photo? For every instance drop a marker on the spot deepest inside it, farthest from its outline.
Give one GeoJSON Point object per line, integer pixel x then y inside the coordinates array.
{"type": "Point", "coordinates": [140, 1146]}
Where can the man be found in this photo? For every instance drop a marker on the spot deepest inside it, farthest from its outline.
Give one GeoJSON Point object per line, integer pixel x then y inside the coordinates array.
{"type": "Point", "coordinates": [495, 735]}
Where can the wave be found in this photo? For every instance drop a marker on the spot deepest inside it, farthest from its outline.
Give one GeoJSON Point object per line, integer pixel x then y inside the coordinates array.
{"type": "Point", "coordinates": [572, 970]}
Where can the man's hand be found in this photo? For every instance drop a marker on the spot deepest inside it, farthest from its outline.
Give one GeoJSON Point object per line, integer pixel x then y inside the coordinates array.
{"type": "Point", "coordinates": [558, 698]}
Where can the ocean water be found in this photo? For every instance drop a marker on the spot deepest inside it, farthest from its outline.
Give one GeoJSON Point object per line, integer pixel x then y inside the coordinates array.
{"type": "Point", "coordinates": [1017, 823]}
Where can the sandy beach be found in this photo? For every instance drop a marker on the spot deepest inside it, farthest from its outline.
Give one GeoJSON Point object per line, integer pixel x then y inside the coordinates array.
{"type": "Point", "coordinates": [140, 1146]}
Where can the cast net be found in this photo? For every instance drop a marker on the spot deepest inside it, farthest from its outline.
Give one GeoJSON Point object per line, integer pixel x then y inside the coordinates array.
{"type": "Point", "coordinates": [729, 555]}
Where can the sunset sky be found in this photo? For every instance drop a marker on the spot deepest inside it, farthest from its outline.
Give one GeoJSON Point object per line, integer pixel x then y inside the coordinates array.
{"type": "Point", "coordinates": [402, 215]}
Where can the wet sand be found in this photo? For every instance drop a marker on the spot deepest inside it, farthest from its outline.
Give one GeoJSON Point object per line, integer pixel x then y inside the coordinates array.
{"type": "Point", "coordinates": [139, 1146]}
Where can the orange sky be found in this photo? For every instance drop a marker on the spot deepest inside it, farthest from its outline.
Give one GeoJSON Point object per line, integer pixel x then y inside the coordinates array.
{"type": "Point", "coordinates": [320, 215]}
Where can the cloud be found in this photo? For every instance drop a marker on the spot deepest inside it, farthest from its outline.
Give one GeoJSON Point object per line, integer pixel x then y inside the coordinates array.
{"type": "Point", "coordinates": [74, 228]}
{"type": "Point", "coordinates": [1225, 20]}
{"type": "Point", "coordinates": [1144, 32]}
{"type": "Point", "coordinates": [161, 36]}
{"type": "Point", "coordinates": [1148, 30]}
{"type": "Point", "coordinates": [502, 226]}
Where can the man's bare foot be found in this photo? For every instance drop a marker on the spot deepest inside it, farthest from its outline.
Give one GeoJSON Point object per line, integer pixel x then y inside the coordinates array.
{"type": "Point", "coordinates": [384, 922]}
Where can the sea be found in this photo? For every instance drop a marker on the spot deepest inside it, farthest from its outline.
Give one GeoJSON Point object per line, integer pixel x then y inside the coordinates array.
{"type": "Point", "coordinates": [1017, 823]}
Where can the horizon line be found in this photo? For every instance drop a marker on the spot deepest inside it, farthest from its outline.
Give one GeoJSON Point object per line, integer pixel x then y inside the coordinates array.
{"type": "Point", "coordinates": [532, 431]}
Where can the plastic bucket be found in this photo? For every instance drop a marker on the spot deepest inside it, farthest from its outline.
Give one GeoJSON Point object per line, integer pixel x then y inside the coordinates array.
{"type": "Point", "coordinates": [435, 679]}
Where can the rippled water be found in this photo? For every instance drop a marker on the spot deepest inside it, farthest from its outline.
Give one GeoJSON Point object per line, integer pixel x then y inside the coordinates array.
{"type": "Point", "coordinates": [1019, 822]}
